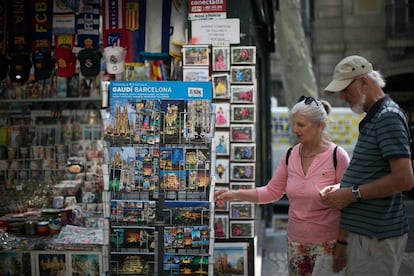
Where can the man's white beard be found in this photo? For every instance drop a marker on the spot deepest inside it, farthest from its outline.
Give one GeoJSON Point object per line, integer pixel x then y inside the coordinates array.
{"type": "Point", "coordinates": [359, 107]}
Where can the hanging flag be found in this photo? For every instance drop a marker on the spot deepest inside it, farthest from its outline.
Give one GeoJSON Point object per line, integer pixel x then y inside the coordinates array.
{"type": "Point", "coordinates": [159, 12]}
{"type": "Point", "coordinates": [132, 8]}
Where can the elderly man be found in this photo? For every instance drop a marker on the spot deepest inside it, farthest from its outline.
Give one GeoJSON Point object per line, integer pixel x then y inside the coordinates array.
{"type": "Point", "coordinates": [373, 221]}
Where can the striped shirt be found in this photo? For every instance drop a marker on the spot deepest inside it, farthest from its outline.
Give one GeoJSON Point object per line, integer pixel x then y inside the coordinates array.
{"type": "Point", "coordinates": [383, 135]}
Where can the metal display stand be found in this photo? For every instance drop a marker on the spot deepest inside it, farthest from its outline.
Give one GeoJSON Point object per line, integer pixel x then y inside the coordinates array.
{"type": "Point", "coordinates": [159, 181]}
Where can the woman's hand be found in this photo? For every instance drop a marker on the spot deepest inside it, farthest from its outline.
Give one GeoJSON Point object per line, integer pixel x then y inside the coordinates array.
{"type": "Point", "coordinates": [329, 189]}
{"type": "Point", "coordinates": [223, 195]}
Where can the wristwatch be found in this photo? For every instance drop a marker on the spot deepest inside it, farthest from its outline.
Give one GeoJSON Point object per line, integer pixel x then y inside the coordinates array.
{"type": "Point", "coordinates": [356, 192]}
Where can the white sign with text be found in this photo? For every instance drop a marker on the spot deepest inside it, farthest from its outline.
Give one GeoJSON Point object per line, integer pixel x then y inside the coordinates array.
{"type": "Point", "coordinates": [216, 30]}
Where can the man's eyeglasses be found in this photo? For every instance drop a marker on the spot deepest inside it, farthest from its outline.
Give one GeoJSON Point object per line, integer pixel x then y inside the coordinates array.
{"type": "Point", "coordinates": [308, 100]}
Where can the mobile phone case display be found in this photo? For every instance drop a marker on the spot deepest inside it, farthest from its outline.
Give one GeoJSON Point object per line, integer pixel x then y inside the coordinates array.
{"type": "Point", "coordinates": [234, 98]}
{"type": "Point", "coordinates": [159, 181]}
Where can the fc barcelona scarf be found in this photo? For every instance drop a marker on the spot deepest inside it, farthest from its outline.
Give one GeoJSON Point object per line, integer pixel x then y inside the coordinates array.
{"type": "Point", "coordinates": [3, 42]}
{"type": "Point", "coordinates": [88, 25]}
{"type": "Point", "coordinates": [41, 38]}
{"type": "Point", "coordinates": [19, 40]}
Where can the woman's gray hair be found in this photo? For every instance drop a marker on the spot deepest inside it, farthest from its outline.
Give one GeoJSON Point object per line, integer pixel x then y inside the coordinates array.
{"type": "Point", "coordinates": [317, 112]}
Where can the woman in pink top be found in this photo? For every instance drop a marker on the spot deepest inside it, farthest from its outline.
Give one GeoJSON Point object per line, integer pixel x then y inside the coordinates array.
{"type": "Point", "coordinates": [313, 228]}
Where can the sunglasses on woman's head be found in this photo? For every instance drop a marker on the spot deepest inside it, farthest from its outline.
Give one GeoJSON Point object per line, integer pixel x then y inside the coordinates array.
{"type": "Point", "coordinates": [308, 100]}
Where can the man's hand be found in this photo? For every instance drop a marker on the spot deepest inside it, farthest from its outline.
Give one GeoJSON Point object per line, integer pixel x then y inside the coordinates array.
{"type": "Point", "coordinates": [339, 257]}
{"type": "Point", "coordinates": [339, 198]}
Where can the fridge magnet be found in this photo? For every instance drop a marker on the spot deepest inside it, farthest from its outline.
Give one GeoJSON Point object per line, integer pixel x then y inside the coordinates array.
{"type": "Point", "coordinates": [221, 83]}
{"type": "Point", "coordinates": [222, 170]}
{"type": "Point", "coordinates": [243, 113]}
{"type": "Point", "coordinates": [221, 206]}
{"type": "Point", "coordinates": [221, 59]}
{"type": "Point", "coordinates": [231, 258]}
{"type": "Point", "coordinates": [221, 143]}
{"type": "Point", "coordinates": [196, 55]}
{"type": "Point", "coordinates": [15, 263]}
{"type": "Point", "coordinates": [222, 111]}
{"type": "Point", "coordinates": [243, 152]}
{"type": "Point", "coordinates": [242, 133]}
{"type": "Point", "coordinates": [242, 171]}
{"type": "Point", "coordinates": [85, 263]}
{"type": "Point", "coordinates": [243, 55]}
{"type": "Point", "coordinates": [241, 185]}
{"type": "Point", "coordinates": [241, 210]}
{"type": "Point", "coordinates": [242, 74]}
{"type": "Point", "coordinates": [242, 93]}
{"type": "Point", "coordinates": [221, 226]}
{"type": "Point", "coordinates": [196, 74]}
{"type": "Point", "coordinates": [52, 263]}
{"type": "Point", "coordinates": [241, 229]}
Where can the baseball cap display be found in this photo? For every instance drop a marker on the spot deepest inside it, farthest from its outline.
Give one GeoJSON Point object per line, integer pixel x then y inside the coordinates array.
{"type": "Point", "coordinates": [66, 62]}
{"type": "Point", "coordinates": [20, 65]}
{"type": "Point", "coordinates": [115, 58]}
{"type": "Point", "coordinates": [43, 65]}
{"type": "Point", "coordinates": [89, 62]}
{"type": "Point", "coordinates": [346, 70]}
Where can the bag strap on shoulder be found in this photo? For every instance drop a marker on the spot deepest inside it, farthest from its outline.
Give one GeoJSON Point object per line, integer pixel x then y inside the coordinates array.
{"type": "Point", "coordinates": [289, 151]}
{"type": "Point", "coordinates": [335, 160]}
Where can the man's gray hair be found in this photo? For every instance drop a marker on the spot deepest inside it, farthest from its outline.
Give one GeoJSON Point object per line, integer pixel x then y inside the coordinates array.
{"type": "Point", "coordinates": [377, 77]}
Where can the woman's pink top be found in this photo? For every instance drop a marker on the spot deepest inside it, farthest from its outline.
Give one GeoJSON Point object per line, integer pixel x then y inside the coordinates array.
{"type": "Point", "coordinates": [309, 220]}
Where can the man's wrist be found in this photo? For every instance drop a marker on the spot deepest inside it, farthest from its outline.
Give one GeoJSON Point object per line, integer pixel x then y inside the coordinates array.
{"type": "Point", "coordinates": [356, 192]}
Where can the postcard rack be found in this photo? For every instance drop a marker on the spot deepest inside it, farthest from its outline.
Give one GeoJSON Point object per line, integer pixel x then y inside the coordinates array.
{"type": "Point", "coordinates": [159, 184]}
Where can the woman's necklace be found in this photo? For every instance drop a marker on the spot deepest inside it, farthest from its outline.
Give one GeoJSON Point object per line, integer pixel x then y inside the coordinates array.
{"type": "Point", "coordinates": [306, 156]}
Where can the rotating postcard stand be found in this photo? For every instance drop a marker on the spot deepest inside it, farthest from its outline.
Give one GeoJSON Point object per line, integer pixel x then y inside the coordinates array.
{"type": "Point", "coordinates": [159, 177]}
